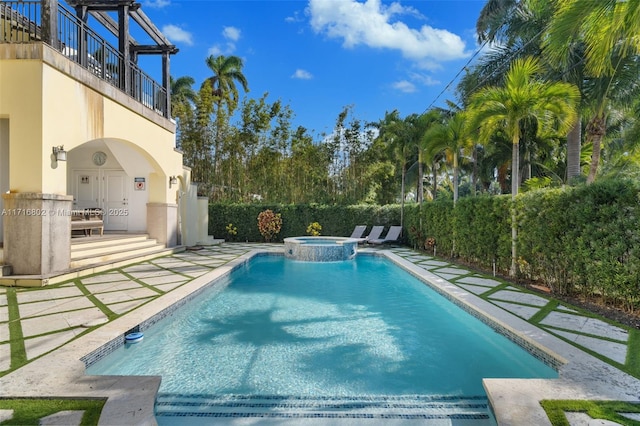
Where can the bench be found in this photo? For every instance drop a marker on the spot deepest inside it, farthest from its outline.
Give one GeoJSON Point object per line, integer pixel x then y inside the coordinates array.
{"type": "Point", "coordinates": [87, 220]}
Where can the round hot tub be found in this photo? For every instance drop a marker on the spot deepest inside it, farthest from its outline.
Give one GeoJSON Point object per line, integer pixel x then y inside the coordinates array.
{"type": "Point", "coordinates": [320, 249]}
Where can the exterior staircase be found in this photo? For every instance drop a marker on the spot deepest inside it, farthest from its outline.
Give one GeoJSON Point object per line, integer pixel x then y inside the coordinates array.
{"type": "Point", "coordinates": [93, 254]}
{"type": "Point", "coordinates": [111, 248]}
{"type": "Point", "coordinates": [425, 409]}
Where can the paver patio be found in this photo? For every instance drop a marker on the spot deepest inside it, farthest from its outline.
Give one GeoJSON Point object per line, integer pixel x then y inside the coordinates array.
{"type": "Point", "coordinates": [49, 318]}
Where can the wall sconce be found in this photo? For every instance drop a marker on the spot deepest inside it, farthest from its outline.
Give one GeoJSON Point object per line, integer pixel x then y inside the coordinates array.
{"type": "Point", "coordinates": [60, 153]}
{"type": "Point", "coordinates": [173, 180]}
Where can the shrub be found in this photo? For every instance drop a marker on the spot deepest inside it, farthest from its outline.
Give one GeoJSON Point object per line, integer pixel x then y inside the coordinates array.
{"type": "Point", "coordinates": [269, 224]}
{"type": "Point", "coordinates": [314, 229]}
{"type": "Point", "coordinates": [232, 231]}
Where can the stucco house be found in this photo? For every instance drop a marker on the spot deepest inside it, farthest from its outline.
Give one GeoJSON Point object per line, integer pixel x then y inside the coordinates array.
{"type": "Point", "coordinates": [82, 127]}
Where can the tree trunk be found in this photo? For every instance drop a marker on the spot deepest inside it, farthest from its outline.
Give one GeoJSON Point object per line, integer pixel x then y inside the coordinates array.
{"type": "Point", "coordinates": [404, 172]}
{"type": "Point", "coordinates": [455, 179]}
{"type": "Point", "coordinates": [420, 196]}
{"type": "Point", "coordinates": [435, 180]}
{"type": "Point", "coordinates": [574, 139]}
{"type": "Point", "coordinates": [515, 165]}
{"type": "Point", "coordinates": [595, 133]}
{"type": "Point", "coordinates": [474, 176]}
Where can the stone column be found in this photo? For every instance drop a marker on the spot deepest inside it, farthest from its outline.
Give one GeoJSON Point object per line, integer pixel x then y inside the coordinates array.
{"type": "Point", "coordinates": [203, 222]}
{"type": "Point", "coordinates": [162, 223]}
{"type": "Point", "coordinates": [37, 232]}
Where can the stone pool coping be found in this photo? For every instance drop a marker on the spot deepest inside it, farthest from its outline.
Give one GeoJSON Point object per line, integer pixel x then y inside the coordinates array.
{"type": "Point", "coordinates": [516, 401]}
{"type": "Point", "coordinates": [131, 399]}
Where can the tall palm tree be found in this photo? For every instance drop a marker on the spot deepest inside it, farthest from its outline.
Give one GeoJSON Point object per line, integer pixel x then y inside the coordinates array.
{"type": "Point", "coordinates": [394, 131]}
{"type": "Point", "coordinates": [601, 95]}
{"type": "Point", "coordinates": [610, 29]}
{"type": "Point", "coordinates": [550, 106]}
{"type": "Point", "coordinates": [182, 95]}
{"type": "Point", "coordinates": [227, 71]}
{"type": "Point", "coordinates": [450, 138]}
{"type": "Point", "coordinates": [419, 125]}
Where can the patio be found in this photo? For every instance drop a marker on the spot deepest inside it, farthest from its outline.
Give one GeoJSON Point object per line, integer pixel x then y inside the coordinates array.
{"type": "Point", "coordinates": [59, 325]}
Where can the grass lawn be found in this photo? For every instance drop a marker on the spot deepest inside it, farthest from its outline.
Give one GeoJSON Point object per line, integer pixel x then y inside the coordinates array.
{"type": "Point", "coordinates": [605, 410]}
{"type": "Point", "coordinates": [29, 411]}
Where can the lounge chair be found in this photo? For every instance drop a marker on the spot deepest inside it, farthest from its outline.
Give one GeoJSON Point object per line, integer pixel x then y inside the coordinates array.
{"type": "Point", "coordinates": [358, 232]}
{"type": "Point", "coordinates": [392, 236]}
{"type": "Point", "coordinates": [375, 233]}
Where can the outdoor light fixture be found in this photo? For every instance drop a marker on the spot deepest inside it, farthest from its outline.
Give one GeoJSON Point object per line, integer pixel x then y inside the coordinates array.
{"type": "Point", "coordinates": [173, 180]}
{"type": "Point", "coordinates": [60, 153]}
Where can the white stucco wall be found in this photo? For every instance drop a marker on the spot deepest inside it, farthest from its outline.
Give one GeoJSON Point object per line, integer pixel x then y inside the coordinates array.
{"type": "Point", "coordinates": [4, 165]}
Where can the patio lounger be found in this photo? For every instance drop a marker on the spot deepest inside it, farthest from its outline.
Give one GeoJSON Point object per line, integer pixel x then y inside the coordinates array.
{"type": "Point", "coordinates": [392, 236]}
{"type": "Point", "coordinates": [358, 232]}
{"type": "Point", "coordinates": [375, 233]}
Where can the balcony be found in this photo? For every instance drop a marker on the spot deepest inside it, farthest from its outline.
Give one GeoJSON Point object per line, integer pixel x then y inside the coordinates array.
{"type": "Point", "coordinates": [52, 23]}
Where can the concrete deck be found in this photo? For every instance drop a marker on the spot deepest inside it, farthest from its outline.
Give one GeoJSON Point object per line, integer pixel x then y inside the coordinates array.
{"type": "Point", "coordinates": [57, 326]}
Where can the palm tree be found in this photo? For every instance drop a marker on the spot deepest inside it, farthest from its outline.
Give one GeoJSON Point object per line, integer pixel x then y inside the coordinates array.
{"type": "Point", "coordinates": [419, 125]}
{"type": "Point", "coordinates": [182, 95]}
{"type": "Point", "coordinates": [603, 93]}
{"type": "Point", "coordinates": [610, 30]}
{"type": "Point", "coordinates": [227, 70]}
{"type": "Point", "coordinates": [450, 138]}
{"type": "Point", "coordinates": [394, 131]}
{"type": "Point", "coordinates": [547, 105]}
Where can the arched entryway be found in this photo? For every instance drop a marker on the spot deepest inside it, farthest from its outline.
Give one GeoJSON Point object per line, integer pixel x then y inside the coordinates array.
{"type": "Point", "coordinates": [114, 176]}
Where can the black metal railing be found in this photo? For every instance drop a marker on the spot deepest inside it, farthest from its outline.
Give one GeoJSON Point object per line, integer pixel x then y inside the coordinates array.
{"type": "Point", "coordinates": [22, 22]}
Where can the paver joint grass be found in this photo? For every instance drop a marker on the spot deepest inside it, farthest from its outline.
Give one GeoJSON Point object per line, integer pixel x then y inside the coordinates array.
{"type": "Point", "coordinates": [29, 411]}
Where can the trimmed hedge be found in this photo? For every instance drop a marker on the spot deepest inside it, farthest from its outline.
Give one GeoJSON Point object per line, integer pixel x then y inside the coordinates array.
{"type": "Point", "coordinates": [335, 220]}
{"type": "Point", "coordinates": [584, 240]}
{"type": "Point", "coordinates": [576, 240]}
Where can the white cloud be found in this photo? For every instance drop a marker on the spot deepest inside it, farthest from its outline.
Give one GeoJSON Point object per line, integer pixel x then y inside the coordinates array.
{"type": "Point", "coordinates": [302, 74]}
{"type": "Point", "coordinates": [219, 49]}
{"type": "Point", "coordinates": [295, 18]}
{"type": "Point", "coordinates": [404, 86]}
{"type": "Point", "coordinates": [425, 80]}
{"type": "Point", "coordinates": [177, 34]}
{"type": "Point", "coordinates": [413, 81]}
{"type": "Point", "coordinates": [158, 4]}
{"type": "Point", "coordinates": [373, 24]}
{"type": "Point", "coordinates": [231, 33]}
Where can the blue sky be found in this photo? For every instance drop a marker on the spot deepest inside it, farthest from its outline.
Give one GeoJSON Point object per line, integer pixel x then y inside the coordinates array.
{"type": "Point", "coordinates": [321, 55]}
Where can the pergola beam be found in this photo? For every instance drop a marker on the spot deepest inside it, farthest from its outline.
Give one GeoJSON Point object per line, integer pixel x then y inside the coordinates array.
{"type": "Point", "coordinates": [152, 49]}
{"type": "Point", "coordinates": [145, 23]}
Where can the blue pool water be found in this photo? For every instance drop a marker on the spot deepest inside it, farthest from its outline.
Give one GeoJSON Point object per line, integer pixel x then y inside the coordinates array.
{"type": "Point", "coordinates": [360, 327]}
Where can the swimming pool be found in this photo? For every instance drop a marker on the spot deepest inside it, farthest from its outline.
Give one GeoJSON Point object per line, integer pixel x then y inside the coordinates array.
{"type": "Point", "coordinates": [278, 327]}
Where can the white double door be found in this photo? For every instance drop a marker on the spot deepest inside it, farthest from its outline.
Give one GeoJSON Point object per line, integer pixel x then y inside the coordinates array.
{"type": "Point", "coordinates": [106, 189]}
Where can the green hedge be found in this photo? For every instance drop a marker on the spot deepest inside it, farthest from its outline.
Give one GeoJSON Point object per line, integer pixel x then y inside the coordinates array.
{"type": "Point", "coordinates": [584, 240]}
{"type": "Point", "coordinates": [581, 240]}
{"type": "Point", "coordinates": [335, 220]}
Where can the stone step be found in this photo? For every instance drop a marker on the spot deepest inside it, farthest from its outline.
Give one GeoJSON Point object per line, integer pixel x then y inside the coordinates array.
{"type": "Point", "coordinates": [109, 247]}
{"type": "Point", "coordinates": [417, 407]}
{"type": "Point", "coordinates": [120, 252]}
{"type": "Point", "coordinates": [82, 243]}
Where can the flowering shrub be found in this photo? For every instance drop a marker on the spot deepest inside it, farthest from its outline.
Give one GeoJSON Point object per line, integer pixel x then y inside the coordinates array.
{"type": "Point", "coordinates": [232, 231]}
{"type": "Point", "coordinates": [314, 229]}
{"type": "Point", "coordinates": [269, 224]}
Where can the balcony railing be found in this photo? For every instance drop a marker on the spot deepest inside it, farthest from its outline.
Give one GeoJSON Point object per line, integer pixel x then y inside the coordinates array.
{"type": "Point", "coordinates": [22, 22]}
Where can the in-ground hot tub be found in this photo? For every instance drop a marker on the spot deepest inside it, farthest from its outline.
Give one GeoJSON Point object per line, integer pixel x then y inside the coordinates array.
{"type": "Point", "coordinates": [320, 249]}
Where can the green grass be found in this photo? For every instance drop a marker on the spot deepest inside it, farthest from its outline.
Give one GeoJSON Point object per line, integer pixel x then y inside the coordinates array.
{"type": "Point", "coordinates": [605, 410]}
{"type": "Point", "coordinates": [16, 339]}
{"type": "Point", "coordinates": [29, 411]}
